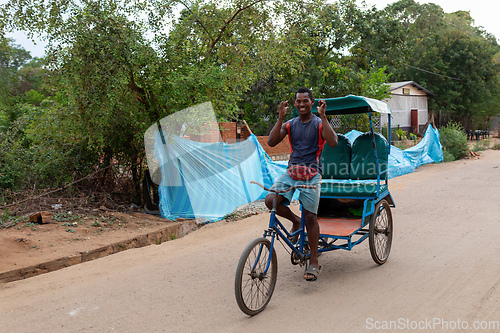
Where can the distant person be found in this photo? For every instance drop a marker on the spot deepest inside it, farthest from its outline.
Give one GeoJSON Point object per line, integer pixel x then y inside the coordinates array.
{"type": "Point", "coordinates": [308, 134]}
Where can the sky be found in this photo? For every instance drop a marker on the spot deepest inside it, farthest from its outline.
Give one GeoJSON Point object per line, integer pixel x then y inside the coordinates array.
{"type": "Point", "coordinates": [484, 13]}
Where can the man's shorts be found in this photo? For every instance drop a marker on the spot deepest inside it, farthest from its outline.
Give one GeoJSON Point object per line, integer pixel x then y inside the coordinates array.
{"type": "Point", "coordinates": [308, 197]}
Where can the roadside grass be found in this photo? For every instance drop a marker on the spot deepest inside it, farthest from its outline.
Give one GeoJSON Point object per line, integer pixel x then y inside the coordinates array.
{"type": "Point", "coordinates": [481, 145]}
{"type": "Point", "coordinates": [9, 220]}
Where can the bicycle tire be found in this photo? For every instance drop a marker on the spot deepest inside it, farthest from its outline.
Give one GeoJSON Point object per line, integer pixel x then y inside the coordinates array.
{"type": "Point", "coordinates": [252, 288]}
{"type": "Point", "coordinates": [380, 233]}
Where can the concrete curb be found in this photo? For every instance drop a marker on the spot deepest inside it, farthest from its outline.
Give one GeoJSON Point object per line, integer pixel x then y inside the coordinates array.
{"type": "Point", "coordinates": [173, 231]}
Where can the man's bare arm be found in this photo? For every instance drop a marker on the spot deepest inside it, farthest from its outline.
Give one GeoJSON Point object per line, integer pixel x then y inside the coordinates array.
{"type": "Point", "coordinates": [279, 131]}
{"type": "Point", "coordinates": [327, 132]}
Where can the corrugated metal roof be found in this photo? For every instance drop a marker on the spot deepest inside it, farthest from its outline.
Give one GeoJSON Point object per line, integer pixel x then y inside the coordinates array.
{"type": "Point", "coordinates": [397, 85]}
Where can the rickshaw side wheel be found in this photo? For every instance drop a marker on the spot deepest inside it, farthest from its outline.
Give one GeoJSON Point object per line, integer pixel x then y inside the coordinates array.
{"type": "Point", "coordinates": [380, 233]}
{"type": "Point", "coordinates": [253, 288]}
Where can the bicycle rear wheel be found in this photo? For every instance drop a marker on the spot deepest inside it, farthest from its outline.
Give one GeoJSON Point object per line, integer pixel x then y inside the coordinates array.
{"type": "Point", "coordinates": [381, 232]}
{"type": "Point", "coordinates": [252, 286]}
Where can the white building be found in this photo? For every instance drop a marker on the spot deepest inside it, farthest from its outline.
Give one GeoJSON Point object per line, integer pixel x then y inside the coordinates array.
{"type": "Point", "coordinates": [408, 103]}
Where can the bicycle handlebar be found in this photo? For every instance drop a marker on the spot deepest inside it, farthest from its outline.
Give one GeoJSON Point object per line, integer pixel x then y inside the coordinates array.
{"type": "Point", "coordinates": [282, 191]}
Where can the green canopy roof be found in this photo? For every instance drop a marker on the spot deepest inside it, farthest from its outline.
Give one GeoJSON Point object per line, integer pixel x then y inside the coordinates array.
{"type": "Point", "coordinates": [350, 104]}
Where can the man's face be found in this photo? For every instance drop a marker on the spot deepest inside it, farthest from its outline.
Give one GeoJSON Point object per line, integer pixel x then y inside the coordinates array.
{"type": "Point", "coordinates": [303, 103]}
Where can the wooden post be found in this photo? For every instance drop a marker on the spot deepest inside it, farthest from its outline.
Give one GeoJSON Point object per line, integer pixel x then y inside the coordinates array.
{"type": "Point", "coordinates": [41, 217]}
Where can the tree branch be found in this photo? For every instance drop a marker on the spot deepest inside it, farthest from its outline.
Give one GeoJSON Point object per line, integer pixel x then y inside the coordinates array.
{"type": "Point", "coordinates": [196, 19]}
{"type": "Point", "coordinates": [219, 37]}
{"type": "Point", "coordinates": [59, 189]}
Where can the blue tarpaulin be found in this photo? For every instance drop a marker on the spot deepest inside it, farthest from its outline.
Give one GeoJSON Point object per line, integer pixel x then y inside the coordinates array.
{"type": "Point", "coordinates": [210, 180]}
{"type": "Point", "coordinates": [213, 179]}
{"type": "Point", "coordinates": [428, 150]}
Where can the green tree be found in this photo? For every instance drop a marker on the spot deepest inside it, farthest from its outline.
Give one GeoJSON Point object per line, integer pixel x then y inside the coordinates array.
{"type": "Point", "coordinates": [97, 61]}
{"type": "Point", "coordinates": [216, 53]}
{"type": "Point", "coordinates": [12, 58]}
{"type": "Point", "coordinates": [446, 54]}
{"type": "Point", "coordinates": [103, 84]}
{"type": "Point", "coordinates": [39, 149]}
{"type": "Point", "coordinates": [113, 84]}
{"type": "Point", "coordinates": [313, 38]}
{"type": "Point", "coordinates": [33, 81]}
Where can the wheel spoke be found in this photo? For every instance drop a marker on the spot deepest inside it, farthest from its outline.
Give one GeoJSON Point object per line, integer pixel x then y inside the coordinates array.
{"type": "Point", "coordinates": [253, 288]}
{"type": "Point", "coordinates": [381, 233]}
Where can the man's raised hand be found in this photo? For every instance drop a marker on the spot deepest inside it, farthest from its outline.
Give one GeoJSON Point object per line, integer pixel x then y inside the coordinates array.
{"type": "Point", "coordinates": [321, 107]}
{"type": "Point", "coordinates": [283, 109]}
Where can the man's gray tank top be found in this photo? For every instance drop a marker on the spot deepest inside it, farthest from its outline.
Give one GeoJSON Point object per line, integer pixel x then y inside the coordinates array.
{"type": "Point", "coordinates": [306, 142]}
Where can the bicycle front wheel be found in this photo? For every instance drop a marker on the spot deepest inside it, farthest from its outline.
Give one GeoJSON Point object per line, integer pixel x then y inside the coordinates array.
{"type": "Point", "coordinates": [254, 286]}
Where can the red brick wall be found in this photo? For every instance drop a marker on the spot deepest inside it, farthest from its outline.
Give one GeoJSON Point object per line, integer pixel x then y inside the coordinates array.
{"type": "Point", "coordinates": [216, 132]}
{"type": "Point", "coordinates": [207, 133]}
{"type": "Point", "coordinates": [210, 133]}
{"type": "Point", "coordinates": [228, 132]}
{"type": "Point", "coordinates": [281, 149]}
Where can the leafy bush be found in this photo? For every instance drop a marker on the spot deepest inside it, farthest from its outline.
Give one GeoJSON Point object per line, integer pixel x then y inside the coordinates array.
{"type": "Point", "coordinates": [447, 156]}
{"type": "Point", "coordinates": [401, 134]}
{"type": "Point", "coordinates": [38, 151]}
{"type": "Point", "coordinates": [454, 140]}
{"type": "Point", "coordinates": [33, 97]}
{"type": "Point", "coordinates": [496, 146]}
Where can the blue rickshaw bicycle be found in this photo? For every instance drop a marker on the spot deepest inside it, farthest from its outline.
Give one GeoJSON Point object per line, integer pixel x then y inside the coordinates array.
{"type": "Point", "coordinates": [355, 204]}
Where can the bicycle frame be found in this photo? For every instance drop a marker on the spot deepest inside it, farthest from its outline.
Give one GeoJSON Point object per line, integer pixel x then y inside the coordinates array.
{"type": "Point", "coordinates": [277, 229]}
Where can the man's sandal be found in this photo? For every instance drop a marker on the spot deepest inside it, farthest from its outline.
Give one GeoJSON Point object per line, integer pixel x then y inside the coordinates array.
{"type": "Point", "coordinates": [314, 271]}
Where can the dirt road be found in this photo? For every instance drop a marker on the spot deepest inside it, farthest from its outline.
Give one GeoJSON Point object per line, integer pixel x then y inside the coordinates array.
{"type": "Point", "coordinates": [443, 274]}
